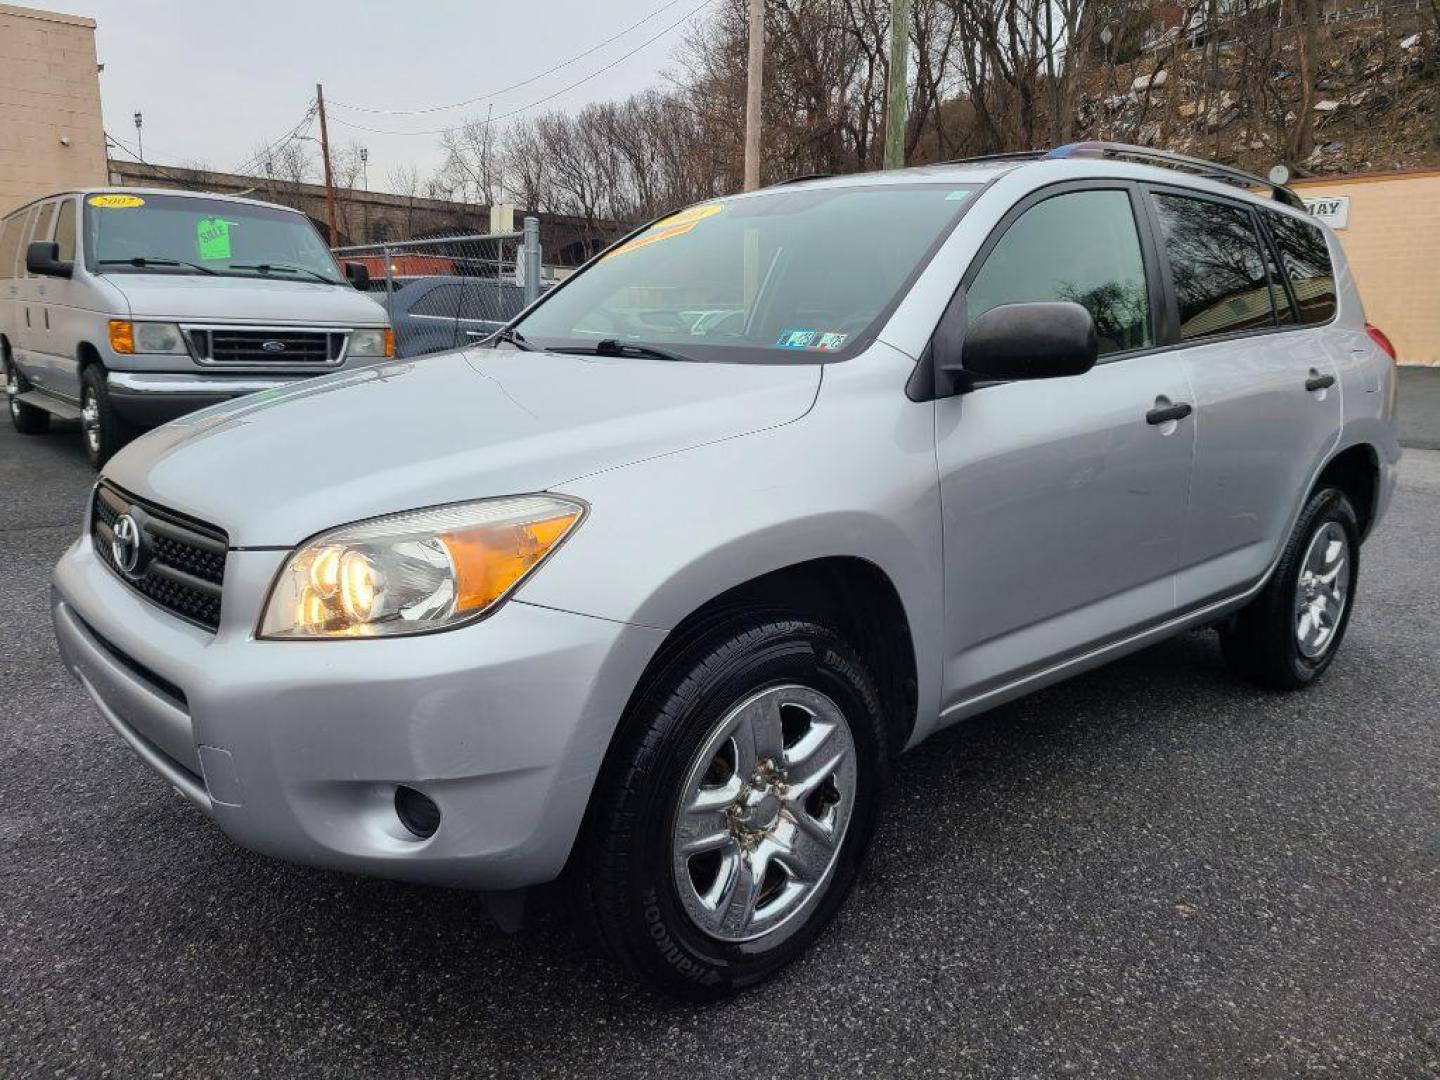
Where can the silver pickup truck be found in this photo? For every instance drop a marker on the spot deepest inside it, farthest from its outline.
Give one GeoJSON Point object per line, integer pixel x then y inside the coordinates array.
{"type": "Point", "coordinates": [127, 308]}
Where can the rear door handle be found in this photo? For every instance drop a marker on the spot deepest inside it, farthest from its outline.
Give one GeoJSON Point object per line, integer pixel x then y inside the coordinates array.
{"type": "Point", "coordinates": [1178, 411]}
{"type": "Point", "coordinates": [1316, 381]}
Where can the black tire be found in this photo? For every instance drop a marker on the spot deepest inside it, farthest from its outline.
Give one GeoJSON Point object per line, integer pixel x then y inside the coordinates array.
{"type": "Point", "coordinates": [28, 419]}
{"type": "Point", "coordinates": [622, 866]}
{"type": "Point", "coordinates": [1260, 643]}
{"type": "Point", "coordinates": [110, 432]}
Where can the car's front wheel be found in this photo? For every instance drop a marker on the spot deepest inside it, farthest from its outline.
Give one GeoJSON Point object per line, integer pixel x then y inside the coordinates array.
{"type": "Point", "coordinates": [1288, 635]}
{"type": "Point", "coordinates": [101, 427]}
{"type": "Point", "coordinates": [731, 816]}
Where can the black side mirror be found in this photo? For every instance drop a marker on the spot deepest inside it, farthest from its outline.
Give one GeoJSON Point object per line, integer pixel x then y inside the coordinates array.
{"type": "Point", "coordinates": [43, 258]}
{"type": "Point", "coordinates": [1037, 340]}
{"type": "Point", "coordinates": [359, 275]}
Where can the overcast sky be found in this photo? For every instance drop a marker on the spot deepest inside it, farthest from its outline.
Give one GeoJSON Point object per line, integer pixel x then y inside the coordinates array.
{"type": "Point", "coordinates": [217, 80]}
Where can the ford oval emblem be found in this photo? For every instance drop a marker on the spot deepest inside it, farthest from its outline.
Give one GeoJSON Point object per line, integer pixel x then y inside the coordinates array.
{"type": "Point", "coordinates": [273, 346]}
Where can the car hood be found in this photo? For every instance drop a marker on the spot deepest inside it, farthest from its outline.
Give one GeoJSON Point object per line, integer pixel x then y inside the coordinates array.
{"type": "Point", "coordinates": [279, 466]}
{"type": "Point", "coordinates": [228, 298]}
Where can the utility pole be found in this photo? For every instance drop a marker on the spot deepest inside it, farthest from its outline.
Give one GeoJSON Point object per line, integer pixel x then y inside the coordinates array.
{"type": "Point", "coordinates": [140, 135]}
{"type": "Point", "coordinates": [897, 105]}
{"type": "Point", "coordinates": [755, 77]}
{"type": "Point", "coordinates": [325, 154]}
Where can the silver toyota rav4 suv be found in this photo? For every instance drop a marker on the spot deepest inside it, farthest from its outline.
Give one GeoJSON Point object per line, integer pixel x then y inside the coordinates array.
{"type": "Point", "coordinates": [651, 589]}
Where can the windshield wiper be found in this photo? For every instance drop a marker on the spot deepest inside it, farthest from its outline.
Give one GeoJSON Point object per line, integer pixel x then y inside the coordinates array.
{"type": "Point", "coordinates": [514, 337]}
{"type": "Point", "coordinates": [266, 268]}
{"type": "Point", "coordinates": [142, 261]}
{"type": "Point", "coordinates": [616, 347]}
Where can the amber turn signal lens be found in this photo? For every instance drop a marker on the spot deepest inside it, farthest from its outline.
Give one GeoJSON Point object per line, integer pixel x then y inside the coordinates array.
{"type": "Point", "coordinates": [122, 336]}
{"type": "Point", "coordinates": [389, 342]}
{"type": "Point", "coordinates": [488, 560]}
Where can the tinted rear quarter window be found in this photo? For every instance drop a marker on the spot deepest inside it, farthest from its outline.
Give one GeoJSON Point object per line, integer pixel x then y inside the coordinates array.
{"type": "Point", "coordinates": [1217, 266]}
{"type": "Point", "coordinates": [1305, 261]}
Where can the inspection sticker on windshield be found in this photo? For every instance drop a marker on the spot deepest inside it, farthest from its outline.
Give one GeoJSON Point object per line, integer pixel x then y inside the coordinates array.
{"type": "Point", "coordinates": [811, 340]}
{"type": "Point", "coordinates": [212, 237]}
{"type": "Point", "coordinates": [116, 202]}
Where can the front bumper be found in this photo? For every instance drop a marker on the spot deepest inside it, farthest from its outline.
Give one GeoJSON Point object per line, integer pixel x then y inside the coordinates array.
{"type": "Point", "coordinates": [148, 399]}
{"type": "Point", "coordinates": [295, 748]}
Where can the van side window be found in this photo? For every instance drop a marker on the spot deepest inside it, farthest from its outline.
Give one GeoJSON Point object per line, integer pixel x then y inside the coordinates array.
{"type": "Point", "coordinates": [9, 245]}
{"type": "Point", "coordinates": [1081, 246]}
{"type": "Point", "coordinates": [21, 223]}
{"type": "Point", "coordinates": [1216, 266]}
{"type": "Point", "coordinates": [41, 231]}
{"type": "Point", "coordinates": [65, 231]}
{"type": "Point", "coordinates": [1305, 259]}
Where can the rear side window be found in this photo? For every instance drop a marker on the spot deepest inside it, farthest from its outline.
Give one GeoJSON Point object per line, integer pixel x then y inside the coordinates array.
{"type": "Point", "coordinates": [1081, 246]}
{"type": "Point", "coordinates": [17, 236]}
{"type": "Point", "coordinates": [65, 231]}
{"type": "Point", "coordinates": [9, 244]}
{"type": "Point", "coordinates": [1216, 265]}
{"type": "Point", "coordinates": [1305, 260]}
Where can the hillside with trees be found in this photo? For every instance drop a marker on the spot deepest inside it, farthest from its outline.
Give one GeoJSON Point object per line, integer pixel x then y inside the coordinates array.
{"type": "Point", "coordinates": [1318, 85]}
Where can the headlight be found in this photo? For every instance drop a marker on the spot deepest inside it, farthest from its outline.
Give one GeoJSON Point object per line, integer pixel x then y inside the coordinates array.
{"type": "Point", "coordinates": [372, 342]}
{"type": "Point", "coordinates": [146, 337]}
{"type": "Point", "coordinates": [417, 571]}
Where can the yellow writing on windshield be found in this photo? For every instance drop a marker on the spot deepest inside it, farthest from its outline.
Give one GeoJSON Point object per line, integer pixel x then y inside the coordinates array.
{"type": "Point", "coordinates": [672, 226]}
{"type": "Point", "coordinates": [116, 202]}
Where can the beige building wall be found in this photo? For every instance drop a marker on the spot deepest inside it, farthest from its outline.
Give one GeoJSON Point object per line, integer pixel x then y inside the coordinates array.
{"type": "Point", "coordinates": [1392, 241]}
{"type": "Point", "coordinates": [51, 133]}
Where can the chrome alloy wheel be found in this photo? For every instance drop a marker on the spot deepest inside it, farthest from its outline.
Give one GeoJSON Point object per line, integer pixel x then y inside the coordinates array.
{"type": "Point", "coordinates": [90, 420]}
{"type": "Point", "coordinates": [12, 389]}
{"type": "Point", "coordinates": [763, 812]}
{"type": "Point", "coordinates": [1322, 590]}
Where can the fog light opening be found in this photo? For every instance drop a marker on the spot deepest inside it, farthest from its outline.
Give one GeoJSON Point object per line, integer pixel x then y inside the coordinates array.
{"type": "Point", "coordinates": [417, 812]}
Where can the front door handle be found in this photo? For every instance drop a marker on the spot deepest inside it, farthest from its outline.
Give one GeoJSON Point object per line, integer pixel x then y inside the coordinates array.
{"type": "Point", "coordinates": [1316, 381]}
{"type": "Point", "coordinates": [1164, 415]}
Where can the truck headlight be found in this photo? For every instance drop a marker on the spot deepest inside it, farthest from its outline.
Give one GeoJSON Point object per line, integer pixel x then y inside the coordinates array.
{"type": "Point", "coordinates": [372, 342]}
{"type": "Point", "coordinates": [146, 337]}
{"type": "Point", "coordinates": [414, 572]}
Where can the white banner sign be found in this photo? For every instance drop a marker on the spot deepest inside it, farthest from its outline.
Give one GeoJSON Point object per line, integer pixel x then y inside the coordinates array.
{"type": "Point", "coordinates": [1334, 211]}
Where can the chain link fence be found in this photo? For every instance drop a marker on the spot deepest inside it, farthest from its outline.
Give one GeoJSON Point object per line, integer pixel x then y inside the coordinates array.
{"type": "Point", "coordinates": [449, 291]}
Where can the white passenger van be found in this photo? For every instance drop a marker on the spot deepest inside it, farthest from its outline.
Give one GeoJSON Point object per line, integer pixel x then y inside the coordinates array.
{"type": "Point", "coordinates": [127, 308]}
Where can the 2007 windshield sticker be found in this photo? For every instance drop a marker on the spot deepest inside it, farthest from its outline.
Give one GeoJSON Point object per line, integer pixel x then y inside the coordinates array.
{"type": "Point", "coordinates": [811, 340]}
{"type": "Point", "coordinates": [212, 237]}
{"type": "Point", "coordinates": [116, 202]}
{"type": "Point", "coordinates": [670, 227]}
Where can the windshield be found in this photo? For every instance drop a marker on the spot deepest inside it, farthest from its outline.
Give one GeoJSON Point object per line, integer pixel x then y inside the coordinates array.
{"type": "Point", "coordinates": [179, 234]}
{"type": "Point", "coordinates": [785, 276]}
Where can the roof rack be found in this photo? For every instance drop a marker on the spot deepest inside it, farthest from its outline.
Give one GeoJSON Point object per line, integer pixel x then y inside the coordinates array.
{"type": "Point", "coordinates": [801, 178]}
{"type": "Point", "coordinates": [1012, 155]}
{"type": "Point", "coordinates": [1168, 159]}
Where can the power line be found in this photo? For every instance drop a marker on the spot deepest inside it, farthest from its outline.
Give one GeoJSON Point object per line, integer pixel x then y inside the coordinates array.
{"type": "Point", "coordinates": [548, 97]}
{"type": "Point", "coordinates": [182, 181]}
{"type": "Point", "coordinates": [274, 147]}
{"type": "Point", "coordinates": [513, 86]}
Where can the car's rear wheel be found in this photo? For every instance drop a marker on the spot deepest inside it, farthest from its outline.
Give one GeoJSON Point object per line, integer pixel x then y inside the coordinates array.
{"type": "Point", "coordinates": [731, 816]}
{"type": "Point", "coordinates": [28, 419]}
{"type": "Point", "coordinates": [1288, 635]}
{"type": "Point", "coordinates": [102, 429]}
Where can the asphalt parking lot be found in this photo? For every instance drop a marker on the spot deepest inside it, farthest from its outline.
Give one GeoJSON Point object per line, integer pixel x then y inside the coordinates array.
{"type": "Point", "coordinates": [1150, 871]}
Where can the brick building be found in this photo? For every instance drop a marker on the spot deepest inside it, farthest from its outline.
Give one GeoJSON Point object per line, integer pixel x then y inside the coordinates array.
{"type": "Point", "coordinates": [51, 134]}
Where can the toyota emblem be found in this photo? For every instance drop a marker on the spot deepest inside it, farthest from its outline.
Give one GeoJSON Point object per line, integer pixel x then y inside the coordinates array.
{"type": "Point", "coordinates": [125, 543]}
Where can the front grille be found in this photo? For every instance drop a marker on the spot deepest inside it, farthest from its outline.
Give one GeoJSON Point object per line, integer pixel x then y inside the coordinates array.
{"type": "Point", "coordinates": [224, 345]}
{"type": "Point", "coordinates": [180, 563]}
